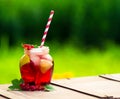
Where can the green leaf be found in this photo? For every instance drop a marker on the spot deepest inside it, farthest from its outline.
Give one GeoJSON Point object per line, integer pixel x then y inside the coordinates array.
{"type": "Point", "coordinates": [48, 88]}
{"type": "Point", "coordinates": [21, 81]}
{"type": "Point", "coordinates": [11, 87]}
{"type": "Point", "coordinates": [15, 84]}
{"type": "Point", "coordinates": [36, 46]}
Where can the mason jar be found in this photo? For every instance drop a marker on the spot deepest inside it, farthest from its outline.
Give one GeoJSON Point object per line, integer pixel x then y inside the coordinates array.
{"type": "Point", "coordinates": [36, 67]}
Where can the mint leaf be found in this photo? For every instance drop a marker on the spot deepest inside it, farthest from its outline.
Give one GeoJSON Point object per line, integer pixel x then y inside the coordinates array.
{"type": "Point", "coordinates": [21, 81]}
{"type": "Point", "coordinates": [35, 46]}
{"type": "Point", "coordinates": [48, 88]}
{"type": "Point", "coordinates": [15, 84]}
{"type": "Point", "coordinates": [11, 87]}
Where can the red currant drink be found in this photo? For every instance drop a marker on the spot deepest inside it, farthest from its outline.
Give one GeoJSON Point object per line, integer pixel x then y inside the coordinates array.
{"type": "Point", "coordinates": [36, 68]}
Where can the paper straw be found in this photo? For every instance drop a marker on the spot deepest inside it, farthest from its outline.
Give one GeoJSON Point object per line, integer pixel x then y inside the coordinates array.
{"type": "Point", "coordinates": [47, 28]}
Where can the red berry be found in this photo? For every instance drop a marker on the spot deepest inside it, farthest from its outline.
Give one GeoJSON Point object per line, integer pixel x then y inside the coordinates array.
{"type": "Point", "coordinates": [27, 46]}
{"type": "Point", "coordinates": [31, 87]}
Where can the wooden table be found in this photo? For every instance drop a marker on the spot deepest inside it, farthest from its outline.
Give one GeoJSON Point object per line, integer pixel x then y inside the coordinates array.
{"type": "Point", "coordinates": [93, 87]}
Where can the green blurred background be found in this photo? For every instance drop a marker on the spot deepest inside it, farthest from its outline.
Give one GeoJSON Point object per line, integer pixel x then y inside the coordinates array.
{"type": "Point", "coordinates": [84, 36]}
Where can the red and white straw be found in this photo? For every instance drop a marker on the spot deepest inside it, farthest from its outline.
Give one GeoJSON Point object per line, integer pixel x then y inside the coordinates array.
{"type": "Point", "coordinates": [47, 28]}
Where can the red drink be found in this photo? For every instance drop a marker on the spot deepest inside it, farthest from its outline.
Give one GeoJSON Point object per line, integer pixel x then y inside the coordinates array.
{"type": "Point", "coordinates": [36, 67]}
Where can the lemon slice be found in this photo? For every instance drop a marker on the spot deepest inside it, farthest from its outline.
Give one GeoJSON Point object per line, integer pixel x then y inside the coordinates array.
{"type": "Point", "coordinates": [45, 65]}
{"type": "Point", "coordinates": [24, 60]}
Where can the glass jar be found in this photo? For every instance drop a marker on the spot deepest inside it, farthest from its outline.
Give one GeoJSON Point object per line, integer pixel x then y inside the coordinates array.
{"type": "Point", "coordinates": [36, 67]}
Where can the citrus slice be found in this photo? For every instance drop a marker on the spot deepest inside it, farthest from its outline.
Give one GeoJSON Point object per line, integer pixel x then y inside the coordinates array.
{"type": "Point", "coordinates": [24, 60]}
{"type": "Point", "coordinates": [45, 65]}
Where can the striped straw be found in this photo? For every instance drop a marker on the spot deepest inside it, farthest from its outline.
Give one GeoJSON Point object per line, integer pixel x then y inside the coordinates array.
{"type": "Point", "coordinates": [47, 27]}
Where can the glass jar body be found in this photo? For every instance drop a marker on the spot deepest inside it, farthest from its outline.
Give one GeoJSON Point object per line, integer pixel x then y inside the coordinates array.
{"type": "Point", "coordinates": [36, 68]}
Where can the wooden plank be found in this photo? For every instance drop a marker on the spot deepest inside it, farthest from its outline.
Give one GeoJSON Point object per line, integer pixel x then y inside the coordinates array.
{"type": "Point", "coordinates": [114, 77]}
{"type": "Point", "coordinates": [94, 85]}
{"type": "Point", "coordinates": [8, 95]}
{"type": "Point", "coordinates": [58, 93]}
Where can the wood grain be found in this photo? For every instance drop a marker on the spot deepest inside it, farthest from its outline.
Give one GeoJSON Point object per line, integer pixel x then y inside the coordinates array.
{"type": "Point", "coordinates": [58, 93]}
{"type": "Point", "coordinates": [95, 85]}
